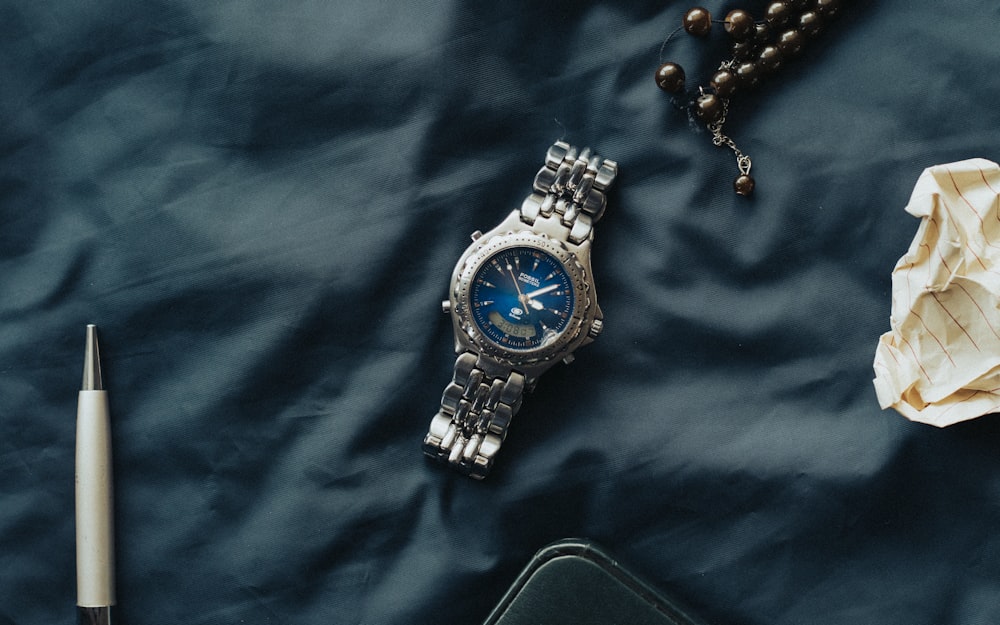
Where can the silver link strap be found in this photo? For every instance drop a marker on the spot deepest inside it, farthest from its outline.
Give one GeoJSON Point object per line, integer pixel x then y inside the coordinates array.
{"type": "Point", "coordinates": [476, 410]}
{"type": "Point", "coordinates": [572, 185]}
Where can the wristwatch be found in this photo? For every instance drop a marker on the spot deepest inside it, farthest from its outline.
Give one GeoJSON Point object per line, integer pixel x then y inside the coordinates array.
{"type": "Point", "coordinates": [522, 298]}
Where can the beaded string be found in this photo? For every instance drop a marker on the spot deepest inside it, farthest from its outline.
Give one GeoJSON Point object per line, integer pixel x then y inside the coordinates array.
{"type": "Point", "coordinates": [759, 48]}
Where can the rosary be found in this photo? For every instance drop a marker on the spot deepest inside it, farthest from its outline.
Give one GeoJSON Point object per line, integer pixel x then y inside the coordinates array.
{"type": "Point", "coordinates": [759, 48]}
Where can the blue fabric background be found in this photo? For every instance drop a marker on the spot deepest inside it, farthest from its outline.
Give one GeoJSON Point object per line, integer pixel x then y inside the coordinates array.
{"type": "Point", "coordinates": [260, 204]}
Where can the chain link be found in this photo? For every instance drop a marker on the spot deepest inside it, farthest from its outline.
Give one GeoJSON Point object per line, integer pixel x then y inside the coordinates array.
{"type": "Point", "coordinates": [720, 139]}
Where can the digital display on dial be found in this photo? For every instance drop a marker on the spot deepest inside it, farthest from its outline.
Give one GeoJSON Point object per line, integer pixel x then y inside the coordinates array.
{"type": "Point", "coordinates": [522, 298]}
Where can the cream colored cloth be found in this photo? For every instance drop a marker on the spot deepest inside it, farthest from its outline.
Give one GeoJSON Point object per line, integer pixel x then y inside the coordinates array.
{"type": "Point", "coordinates": [940, 363]}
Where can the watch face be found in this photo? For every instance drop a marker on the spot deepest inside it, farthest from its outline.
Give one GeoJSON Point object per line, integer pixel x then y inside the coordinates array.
{"type": "Point", "coordinates": [521, 298]}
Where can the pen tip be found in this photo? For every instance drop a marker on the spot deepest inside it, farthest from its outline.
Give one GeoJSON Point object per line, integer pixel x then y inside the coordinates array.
{"type": "Point", "coordinates": [92, 380]}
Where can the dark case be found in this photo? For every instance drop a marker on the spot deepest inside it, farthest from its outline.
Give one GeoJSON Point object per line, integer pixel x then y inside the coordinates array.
{"type": "Point", "coordinates": [575, 582]}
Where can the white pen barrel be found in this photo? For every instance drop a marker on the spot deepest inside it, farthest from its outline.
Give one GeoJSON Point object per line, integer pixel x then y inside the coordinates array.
{"type": "Point", "coordinates": [94, 496]}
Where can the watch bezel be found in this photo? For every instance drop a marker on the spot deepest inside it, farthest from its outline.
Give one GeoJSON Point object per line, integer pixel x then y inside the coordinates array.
{"type": "Point", "coordinates": [484, 249]}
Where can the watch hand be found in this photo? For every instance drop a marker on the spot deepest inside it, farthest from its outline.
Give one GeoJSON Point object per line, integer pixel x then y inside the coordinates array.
{"type": "Point", "coordinates": [520, 296]}
{"type": "Point", "coordinates": [530, 297]}
{"type": "Point", "coordinates": [541, 291]}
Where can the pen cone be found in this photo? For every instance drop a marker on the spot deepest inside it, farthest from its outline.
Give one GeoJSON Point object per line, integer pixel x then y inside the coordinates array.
{"type": "Point", "coordinates": [92, 362]}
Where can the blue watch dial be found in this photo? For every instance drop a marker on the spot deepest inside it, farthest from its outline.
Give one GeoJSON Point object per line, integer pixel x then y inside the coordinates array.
{"type": "Point", "coordinates": [522, 298]}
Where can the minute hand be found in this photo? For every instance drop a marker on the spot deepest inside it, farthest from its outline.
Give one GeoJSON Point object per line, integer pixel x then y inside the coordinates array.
{"type": "Point", "coordinates": [541, 291]}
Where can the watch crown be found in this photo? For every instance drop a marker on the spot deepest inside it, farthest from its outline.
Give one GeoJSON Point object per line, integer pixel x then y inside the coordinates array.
{"type": "Point", "coordinates": [595, 328]}
{"type": "Point", "coordinates": [446, 306]}
{"type": "Point", "coordinates": [569, 359]}
{"type": "Point", "coordinates": [476, 235]}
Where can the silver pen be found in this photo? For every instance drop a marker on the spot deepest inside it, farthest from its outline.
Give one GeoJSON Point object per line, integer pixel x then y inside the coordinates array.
{"type": "Point", "coordinates": [95, 561]}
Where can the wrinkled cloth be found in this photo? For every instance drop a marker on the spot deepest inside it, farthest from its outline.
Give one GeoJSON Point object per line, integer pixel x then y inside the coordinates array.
{"type": "Point", "coordinates": [940, 363]}
{"type": "Point", "coordinates": [260, 204]}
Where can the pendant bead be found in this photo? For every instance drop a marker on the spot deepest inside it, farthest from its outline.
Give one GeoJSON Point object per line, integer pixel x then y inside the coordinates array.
{"type": "Point", "coordinates": [724, 82]}
{"type": "Point", "coordinates": [670, 77]}
{"type": "Point", "coordinates": [748, 75]}
{"type": "Point", "coordinates": [790, 42]}
{"type": "Point", "coordinates": [744, 185]}
{"type": "Point", "coordinates": [709, 108]}
{"type": "Point", "coordinates": [810, 24]}
{"type": "Point", "coordinates": [770, 59]}
{"type": "Point", "coordinates": [698, 21]}
{"type": "Point", "coordinates": [827, 8]}
{"type": "Point", "coordinates": [740, 25]}
{"type": "Point", "coordinates": [777, 14]}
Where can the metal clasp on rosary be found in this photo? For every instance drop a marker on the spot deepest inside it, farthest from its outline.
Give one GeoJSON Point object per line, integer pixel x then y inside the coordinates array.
{"type": "Point", "coordinates": [744, 183]}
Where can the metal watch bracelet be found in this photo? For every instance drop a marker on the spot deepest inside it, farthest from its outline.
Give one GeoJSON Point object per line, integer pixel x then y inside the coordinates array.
{"type": "Point", "coordinates": [571, 185]}
{"type": "Point", "coordinates": [476, 409]}
{"type": "Point", "coordinates": [484, 395]}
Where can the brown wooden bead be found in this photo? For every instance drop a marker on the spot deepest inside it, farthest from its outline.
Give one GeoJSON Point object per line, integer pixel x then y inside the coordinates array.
{"type": "Point", "coordinates": [790, 42]}
{"type": "Point", "coordinates": [698, 21]}
{"type": "Point", "coordinates": [827, 8]}
{"type": "Point", "coordinates": [739, 25]}
{"type": "Point", "coordinates": [770, 59]}
{"type": "Point", "coordinates": [744, 185]}
{"type": "Point", "coordinates": [670, 77]}
{"type": "Point", "coordinates": [777, 14]}
{"type": "Point", "coordinates": [748, 75]}
{"type": "Point", "coordinates": [724, 83]}
{"type": "Point", "coordinates": [810, 24]}
{"type": "Point", "coordinates": [709, 108]}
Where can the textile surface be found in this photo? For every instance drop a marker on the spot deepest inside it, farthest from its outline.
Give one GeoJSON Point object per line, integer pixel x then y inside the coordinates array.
{"type": "Point", "coordinates": [260, 204]}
